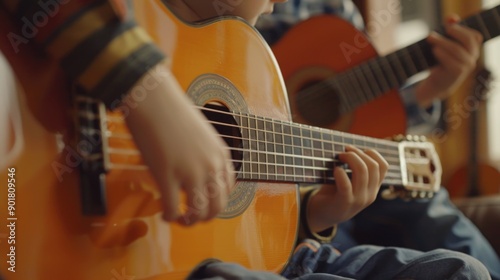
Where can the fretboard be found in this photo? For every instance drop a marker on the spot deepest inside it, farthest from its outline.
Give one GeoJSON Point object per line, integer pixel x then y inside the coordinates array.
{"type": "Point", "coordinates": [369, 80]}
{"type": "Point", "coordinates": [279, 151]}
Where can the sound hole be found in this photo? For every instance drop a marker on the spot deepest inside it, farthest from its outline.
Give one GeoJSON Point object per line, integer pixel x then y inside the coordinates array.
{"type": "Point", "coordinates": [228, 129]}
{"type": "Point", "coordinates": [318, 104]}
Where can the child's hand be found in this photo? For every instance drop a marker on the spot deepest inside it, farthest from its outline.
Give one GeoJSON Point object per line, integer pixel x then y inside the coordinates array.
{"type": "Point", "coordinates": [333, 204]}
{"type": "Point", "coordinates": [182, 150]}
{"type": "Point", "coordinates": [457, 58]}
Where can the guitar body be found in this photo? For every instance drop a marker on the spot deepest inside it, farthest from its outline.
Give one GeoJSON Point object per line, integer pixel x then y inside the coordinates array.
{"type": "Point", "coordinates": [53, 240]}
{"type": "Point", "coordinates": [486, 181]}
{"type": "Point", "coordinates": [319, 48]}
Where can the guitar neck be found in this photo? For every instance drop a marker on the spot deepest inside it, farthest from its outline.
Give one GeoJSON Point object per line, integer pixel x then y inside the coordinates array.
{"type": "Point", "coordinates": [370, 80]}
{"type": "Point", "coordinates": [272, 150]}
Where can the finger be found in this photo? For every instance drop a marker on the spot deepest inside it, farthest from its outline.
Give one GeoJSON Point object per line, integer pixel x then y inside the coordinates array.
{"type": "Point", "coordinates": [359, 169]}
{"type": "Point", "coordinates": [453, 18]}
{"type": "Point", "coordinates": [230, 178]}
{"type": "Point", "coordinates": [458, 52]}
{"type": "Point", "coordinates": [217, 193]}
{"type": "Point", "coordinates": [470, 39]}
{"type": "Point", "coordinates": [449, 63]}
{"type": "Point", "coordinates": [382, 163]}
{"type": "Point", "coordinates": [197, 202]}
{"type": "Point", "coordinates": [372, 167]}
{"type": "Point", "coordinates": [343, 185]}
{"type": "Point", "coordinates": [170, 200]}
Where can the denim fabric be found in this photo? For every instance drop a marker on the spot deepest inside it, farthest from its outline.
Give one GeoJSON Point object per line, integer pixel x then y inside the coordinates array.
{"type": "Point", "coordinates": [321, 262]}
{"type": "Point", "coordinates": [421, 225]}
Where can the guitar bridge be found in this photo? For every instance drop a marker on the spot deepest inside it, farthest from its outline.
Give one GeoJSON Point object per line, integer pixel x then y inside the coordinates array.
{"type": "Point", "coordinates": [91, 146]}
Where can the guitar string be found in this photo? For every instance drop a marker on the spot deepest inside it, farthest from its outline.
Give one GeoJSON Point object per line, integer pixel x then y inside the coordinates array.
{"type": "Point", "coordinates": [387, 146]}
{"type": "Point", "coordinates": [352, 76]}
{"type": "Point", "coordinates": [389, 154]}
{"type": "Point", "coordinates": [297, 178]}
{"type": "Point", "coordinates": [133, 152]}
{"type": "Point", "coordinates": [386, 153]}
{"type": "Point", "coordinates": [393, 164]}
{"type": "Point", "coordinates": [393, 171]}
{"type": "Point", "coordinates": [318, 174]}
{"type": "Point", "coordinates": [262, 119]}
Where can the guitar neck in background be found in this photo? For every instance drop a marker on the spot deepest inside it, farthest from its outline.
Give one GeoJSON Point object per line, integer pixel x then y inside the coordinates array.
{"type": "Point", "coordinates": [388, 72]}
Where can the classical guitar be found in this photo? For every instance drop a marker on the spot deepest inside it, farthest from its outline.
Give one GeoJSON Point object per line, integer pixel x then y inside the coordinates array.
{"type": "Point", "coordinates": [476, 177]}
{"type": "Point", "coordinates": [336, 80]}
{"type": "Point", "coordinates": [87, 208]}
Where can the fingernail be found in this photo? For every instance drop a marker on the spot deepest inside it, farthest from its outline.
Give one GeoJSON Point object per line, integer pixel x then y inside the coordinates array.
{"type": "Point", "coordinates": [452, 19]}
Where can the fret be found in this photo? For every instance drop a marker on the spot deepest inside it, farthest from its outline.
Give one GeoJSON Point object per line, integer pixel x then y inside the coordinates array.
{"type": "Point", "coordinates": [491, 23]}
{"type": "Point", "coordinates": [367, 90]}
{"type": "Point", "coordinates": [308, 150]}
{"type": "Point", "coordinates": [474, 23]}
{"type": "Point", "coordinates": [496, 16]}
{"type": "Point", "coordinates": [355, 92]}
{"type": "Point", "coordinates": [287, 139]}
{"type": "Point", "coordinates": [278, 136]}
{"type": "Point", "coordinates": [289, 169]}
{"type": "Point", "coordinates": [280, 157]}
{"type": "Point", "coordinates": [338, 140]}
{"type": "Point", "coordinates": [253, 153]}
{"type": "Point", "coordinates": [348, 140]}
{"type": "Point", "coordinates": [327, 144]}
{"type": "Point", "coordinates": [410, 64]}
{"type": "Point", "coordinates": [396, 64]}
{"type": "Point", "coordinates": [420, 57]}
{"type": "Point", "coordinates": [426, 49]}
{"type": "Point", "coordinates": [317, 144]}
{"type": "Point", "coordinates": [345, 96]}
{"type": "Point", "coordinates": [261, 148]}
{"type": "Point", "coordinates": [271, 155]}
{"type": "Point", "coordinates": [365, 68]}
{"type": "Point", "coordinates": [483, 28]}
{"type": "Point", "coordinates": [245, 134]}
{"type": "Point", "coordinates": [380, 77]}
{"type": "Point", "coordinates": [323, 151]}
{"type": "Point", "coordinates": [387, 69]}
{"type": "Point", "coordinates": [371, 145]}
{"type": "Point", "coordinates": [352, 92]}
{"type": "Point", "coordinates": [359, 143]}
{"type": "Point", "coordinates": [297, 150]}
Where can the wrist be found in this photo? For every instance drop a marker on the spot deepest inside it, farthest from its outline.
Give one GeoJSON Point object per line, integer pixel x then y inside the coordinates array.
{"type": "Point", "coordinates": [312, 228]}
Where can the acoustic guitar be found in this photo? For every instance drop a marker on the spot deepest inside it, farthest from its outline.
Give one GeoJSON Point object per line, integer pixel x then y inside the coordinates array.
{"type": "Point", "coordinates": [94, 213]}
{"type": "Point", "coordinates": [335, 78]}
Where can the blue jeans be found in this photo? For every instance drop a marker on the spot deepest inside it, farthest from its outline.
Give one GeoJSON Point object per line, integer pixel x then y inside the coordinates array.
{"type": "Point", "coordinates": [422, 225]}
{"type": "Point", "coordinates": [360, 262]}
